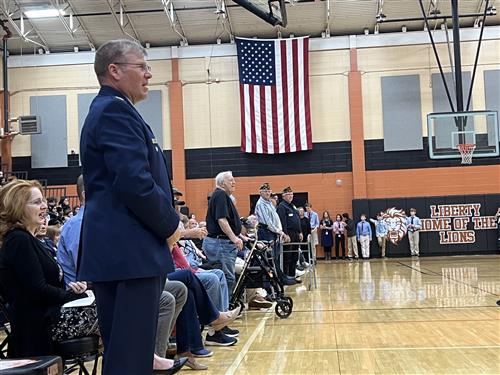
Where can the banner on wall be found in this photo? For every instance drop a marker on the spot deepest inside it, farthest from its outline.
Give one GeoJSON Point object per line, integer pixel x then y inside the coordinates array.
{"type": "Point", "coordinates": [455, 223]}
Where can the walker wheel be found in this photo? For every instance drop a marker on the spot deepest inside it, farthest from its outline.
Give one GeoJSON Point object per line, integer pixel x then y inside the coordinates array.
{"type": "Point", "coordinates": [283, 309]}
{"type": "Point", "coordinates": [290, 300]}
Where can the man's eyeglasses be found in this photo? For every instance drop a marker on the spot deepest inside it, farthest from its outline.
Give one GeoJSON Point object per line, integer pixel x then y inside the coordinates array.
{"type": "Point", "coordinates": [144, 67]}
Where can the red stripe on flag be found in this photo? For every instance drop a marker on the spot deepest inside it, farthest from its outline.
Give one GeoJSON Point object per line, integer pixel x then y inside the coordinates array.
{"type": "Point", "coordinates": [306, 94]}
{"type": "Point", "coordinates": [263, 124]}
{"type": "Point", "coordinates": [284, 89]}
{"type": "Point", "coordinates": [274, 105]}
{"type": "Point", "coordinates": [242, 114]}
{"type": "Point", "coordinates": [252, 118]}
{"type": "Point", "coordinates": [296, 83]}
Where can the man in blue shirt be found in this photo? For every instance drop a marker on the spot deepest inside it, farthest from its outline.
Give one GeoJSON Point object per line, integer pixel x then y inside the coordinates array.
{"type": "Point", "coordinates": [414, 225]}
{"type": "Point", "coordinates": [67, 249]}
{"type": "Point", "coordinates": [314, 219]}
{"type": "Point", "coordinates": [364, 235]}
{"type": "Point", "coordinates": [380, 232]}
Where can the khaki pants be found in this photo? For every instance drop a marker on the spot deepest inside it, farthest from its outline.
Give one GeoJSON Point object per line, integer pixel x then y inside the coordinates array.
{"type": "Point", "coordinates": [314, 242]}
{"type": "Point", "coordinates": [365, 246]}
{"type": "Point", "coordinates": [414, 238]}
{"type": "Point", "coordinates": [352, 245]}
{"type": "Point", "coordinates": [382, 243]}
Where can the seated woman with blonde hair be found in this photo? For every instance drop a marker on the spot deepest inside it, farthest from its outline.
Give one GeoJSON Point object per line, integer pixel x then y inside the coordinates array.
{"type": "Point", "coordinates": [31, 279]}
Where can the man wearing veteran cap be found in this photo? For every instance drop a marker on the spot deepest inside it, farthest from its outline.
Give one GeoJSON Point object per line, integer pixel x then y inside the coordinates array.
{"type": "Point", "coordinates": [269, 221]}
{"type": "Point", "coordinates": [270, 228]}
{"type": "Point", "coordinates": [290, 222]}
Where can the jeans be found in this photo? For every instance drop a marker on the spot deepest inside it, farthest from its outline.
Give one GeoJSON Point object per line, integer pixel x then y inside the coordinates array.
{"type": "Point", "coordinates": [224, 251]}
{"type": "Point", "coordinates": [215, 284]}
{"type": "Point", "coordinates": [198, 308]}
{"type": "Point", "coordinates": [172, 299]}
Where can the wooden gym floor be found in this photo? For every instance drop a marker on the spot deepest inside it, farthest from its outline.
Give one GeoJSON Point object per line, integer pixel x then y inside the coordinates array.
{"type": "Point", "coordinates": [426, 316]}
{"type": "Point", "coordinates": [397, 316]}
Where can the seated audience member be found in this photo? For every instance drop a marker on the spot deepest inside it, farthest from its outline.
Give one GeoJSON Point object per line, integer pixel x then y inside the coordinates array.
{"type": "Point", "coordinates": [214, 283]}
{"type": "Point", "coordinates": [54, 234]}
{"type": "Point", "coordinates": [41, 234]}
{"type": "Point", "coordinates": [64, 204]}
{"type": "Point", "coordinates": [172, 299]}
{"type": "Point", "coordinates": [31, 279]}
{"type": "Point", "coordinates": [188, 334]}
{"type": "Point", "coordinates": [51, 207]}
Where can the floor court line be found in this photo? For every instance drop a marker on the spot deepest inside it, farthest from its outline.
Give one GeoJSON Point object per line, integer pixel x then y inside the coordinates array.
{"type": "Point", "coordinates": [394, 321]}
{"type": "Point", "coordinates": [375, 349]}
{"type": "Point", "coordinates": [245, 349]}
{"type": "Point", "coordinates": [402, 308]}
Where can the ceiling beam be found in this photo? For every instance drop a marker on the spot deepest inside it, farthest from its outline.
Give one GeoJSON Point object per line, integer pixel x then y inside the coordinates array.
{"type": "Point", "coordinates": [120, 21]}
{"type": "Point", "coordinates": [82, 26]}
{"type": "Point", "coordinates": [171, 13]}
{"type": "Point", "coordinates": [5, 10]}
{"type": "Point", "coordinates": [55, 4]}
{"type": "Point", "coordinates": [226, 18]}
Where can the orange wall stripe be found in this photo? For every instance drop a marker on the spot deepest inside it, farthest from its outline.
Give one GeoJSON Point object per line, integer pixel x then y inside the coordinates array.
{"type": "Point", "coordinates": [357, 134]}
{"type": "Point", "coordinates": [177, 128]}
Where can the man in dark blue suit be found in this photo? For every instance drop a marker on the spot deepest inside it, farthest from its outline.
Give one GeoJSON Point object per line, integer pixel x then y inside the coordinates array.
{"type": "Point", "coordinates": [130, 223]}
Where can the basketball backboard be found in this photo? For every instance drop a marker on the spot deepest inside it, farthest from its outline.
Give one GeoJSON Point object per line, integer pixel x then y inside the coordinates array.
{"type": "Point", "coordinates": [447, 130]}
{"type": "Point", "coordinates": [271, 11]}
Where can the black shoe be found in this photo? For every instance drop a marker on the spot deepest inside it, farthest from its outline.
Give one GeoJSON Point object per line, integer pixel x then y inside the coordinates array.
{"type": "Point", "coordinates": [289, 282]}
{"type": "Point", "coordinates": [178, 363]}
{"type": "Point", "coordinates": [298, 281]}
{"type": "Point", "coordinates": [219, 339]}
{"type": "Point", "coordinates": [230, 332]}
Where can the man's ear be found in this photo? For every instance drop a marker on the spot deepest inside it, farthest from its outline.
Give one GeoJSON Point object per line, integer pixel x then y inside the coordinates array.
{"type": "Point", "coordinates": [114, 71]}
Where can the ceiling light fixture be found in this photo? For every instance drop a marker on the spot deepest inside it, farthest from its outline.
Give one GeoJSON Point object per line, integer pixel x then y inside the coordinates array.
{"type": "Point", "coordinates": [366, 31]}
{"type": "Point", "coordinates": [44, 13]}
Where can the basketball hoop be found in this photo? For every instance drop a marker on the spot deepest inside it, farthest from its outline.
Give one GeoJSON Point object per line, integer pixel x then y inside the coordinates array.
{"type": "Point", "coordinates": [466, 150]}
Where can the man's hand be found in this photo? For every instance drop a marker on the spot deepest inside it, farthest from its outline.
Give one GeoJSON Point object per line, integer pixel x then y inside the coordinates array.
{"type": "Point", "coordinates": [301, 237]}
{"type": "Point", "coordinates": [198, 233]}
{"type": "Point", "coordinates": [173, 238]}
{"type": "Point", "coordinates": [239, 243]}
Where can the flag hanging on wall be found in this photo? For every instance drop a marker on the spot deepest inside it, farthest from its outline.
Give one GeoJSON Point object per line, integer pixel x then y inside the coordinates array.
{"type": "Point", "coordinates": [274, 95]}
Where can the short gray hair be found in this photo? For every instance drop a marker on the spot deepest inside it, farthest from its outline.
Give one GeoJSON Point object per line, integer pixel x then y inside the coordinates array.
{"type": "Point", "coordinates": [112, 51]}
{"type": "Point", "coordinates": [219, 179]}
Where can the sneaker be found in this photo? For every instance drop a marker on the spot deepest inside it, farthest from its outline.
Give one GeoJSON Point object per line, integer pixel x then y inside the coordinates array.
{"type": "Point", "coordinates": [299, 273]}
{"type": "Point", "coordinates": [230, 332]}
{"type": "Point", "coordinates": [259, 303]}
{"type": "Point", "coordinates": [305, 264]}
{"type": "Point", "coordinates": [202, 353]}
{"type": "Point", "coordinates": [219, 339]}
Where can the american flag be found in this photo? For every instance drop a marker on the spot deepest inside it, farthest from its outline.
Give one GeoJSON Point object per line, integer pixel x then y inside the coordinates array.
{"type": "Point", "coordinates": [274, 95]}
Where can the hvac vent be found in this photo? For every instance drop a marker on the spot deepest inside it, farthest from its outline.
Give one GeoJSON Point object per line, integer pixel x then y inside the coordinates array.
{"type": "Point", "coordinates": [30, 125]}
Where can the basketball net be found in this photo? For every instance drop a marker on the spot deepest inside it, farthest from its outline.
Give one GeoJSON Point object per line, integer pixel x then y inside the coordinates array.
{"type": "Point", "coordinates": [466, 150]}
